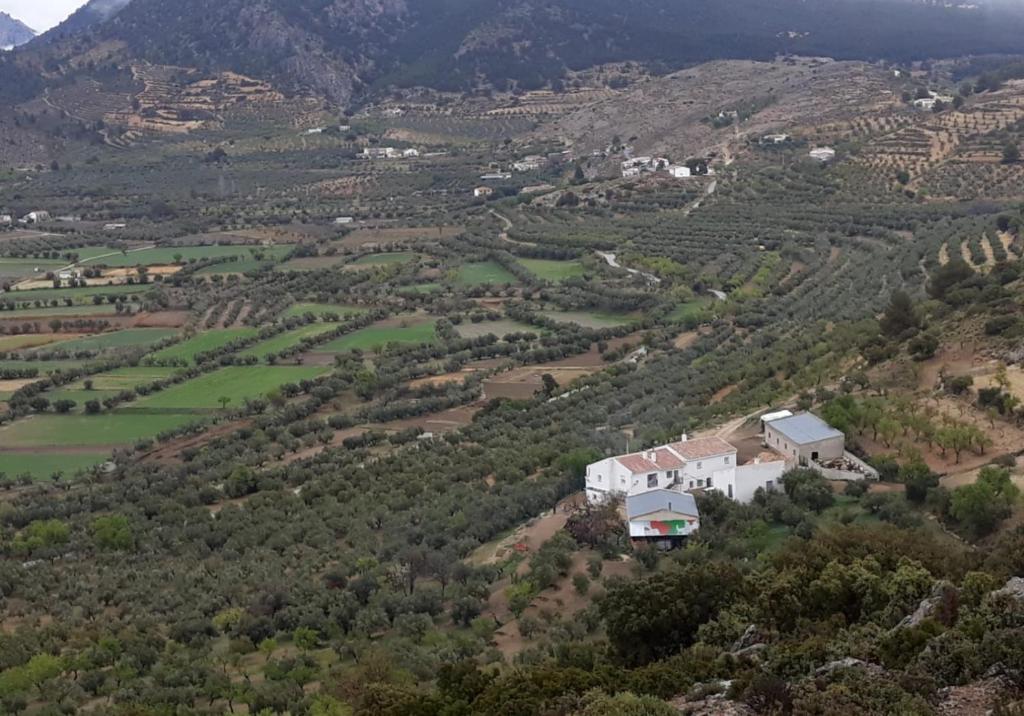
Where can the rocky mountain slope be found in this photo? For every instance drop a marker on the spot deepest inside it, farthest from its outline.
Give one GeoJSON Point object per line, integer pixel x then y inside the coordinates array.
{"type": "Point", "coordinates": [13, 32]}
{"type": "Point", "coordinates": [346, 49]}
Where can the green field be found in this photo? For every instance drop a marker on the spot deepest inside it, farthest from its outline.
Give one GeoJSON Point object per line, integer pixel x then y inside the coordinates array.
{"type": "Point", "coordinates": [240, 266]}
{"type": "Point", "coordinates": [175, 254]}
{"type": "Point", "coordinates": [87, 253]}
{"type": "Point", "coordinates": [422, 288]}
{"type": "Point", "coordinates": [590, 319]}
{"type": "Point", "coordinates": [26, 268]}
{"type": "Point", "coordinates": [374, 337]}
{"type": "Point", "coordinates": [27, 340]}
{"type": "Point", "coordinates": [86, 430]}
{"type": "Point", "coordinates": [119, 339]}
{"type": "Point", "coordinates": [287, 339]}
{"type": "Point", "coordinates": [317, 309]}
{"type": "Point", "coordinates": [125, 378]}
{"type": "Point", "coordinates": [78, 295]}
{"type": "Point", "coordinates": [502, 327]}
{"type": "Point", "coordinates": [553, 271]}
{"type": "Point", "coordinates": [42, 466]}
{"type": "Point", "coordinates": [45, 366]}
{"type": "Point", "coordinates": [483, 272]}
{"type": "Point", "coordinates": [235, 382]}
{"type": "Point", "coordinates": [311, 263]}
{"type": "Point", "coordinates": [48, 312]}
{"type": "Point", "coordinates": [206, 341]}
{"type": "Point", "coordinates": [690, 309]}
{"type": "Point", "coordinates": [397, 257]}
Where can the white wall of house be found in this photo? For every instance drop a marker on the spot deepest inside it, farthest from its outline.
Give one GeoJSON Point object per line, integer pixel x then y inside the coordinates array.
{"type": "Point", "coordinates": [750, 477]}
{"type": "Point", "coordinates": [608, 478]}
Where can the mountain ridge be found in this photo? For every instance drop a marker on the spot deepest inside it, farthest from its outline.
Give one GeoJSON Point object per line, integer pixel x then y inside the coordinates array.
{"type": "Point", "coordinates": [13, 32]}
{"type": "Point", "coordinates": [346, 50]}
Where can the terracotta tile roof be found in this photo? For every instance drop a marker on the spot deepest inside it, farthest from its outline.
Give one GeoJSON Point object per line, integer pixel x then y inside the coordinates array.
{"type": "Point", "coordinates": [665, 459]}
{"type": "Point", "coordinates": [637, 463]}
{"type": "Point", "coordinates": [700, 448]}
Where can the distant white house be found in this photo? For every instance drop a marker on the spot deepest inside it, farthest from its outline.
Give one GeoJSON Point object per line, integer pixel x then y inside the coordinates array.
{"type": "Point", "coordinates": [482, 192]}
{"type": "Point", "coordinates": [528, 164]}
{"type": "Point", "coordinates": [343, 220]}
{"type": "Point", "coordinates": [823, 154]}
{"type": "Point", "coordinates": [630, 172]}
{"type": "Point", "coordinates": [679, 171]}
{"type": "Point", "coordinates": [6, 220]}
{"type": "Point", "coordinates": [409, 153]}
{"type": "Point", "coordinates": [381, 153]}
{"type": "Point", "coordinates": [315, 130]}
{"type": "Point", "coordinates": [775, 139]}
{"type": "Point", "coordinates": [495, 176]}
{"type": "Point", "coordinates": [35, 217]}
{"type": "Point", "coordinates": [117, 226]}
{"type": "Point", "coordinates": [928, 103]}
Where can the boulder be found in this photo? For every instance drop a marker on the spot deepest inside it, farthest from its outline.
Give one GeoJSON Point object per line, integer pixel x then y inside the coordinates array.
{"type": "Point", "coordinates": [941, 605]}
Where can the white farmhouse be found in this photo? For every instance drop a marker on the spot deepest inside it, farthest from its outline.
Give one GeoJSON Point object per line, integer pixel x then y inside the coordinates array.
{"type": "Point", "coordinates": [683, 466]}
{"type": "Point", "coordinates": [679, 171]}
{"type": "Point", "coordinates": [823, 154]}
{"type": "Point", "coordinates": [482, 192]}
{"type": "Point", "coordinates": [342, 220]}
{"type": "Point", "coordinates": [528, 164]}
{"type": "Point", "coordinates": [6, 219]}
{"type": "Point", "coordinates": [35, 217]}
{"type": "Point", "coordinates": [410, 153]}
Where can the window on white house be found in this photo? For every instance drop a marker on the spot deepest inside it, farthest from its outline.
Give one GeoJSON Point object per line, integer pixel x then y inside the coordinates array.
{"type": "Point", "coordinates": [691, 483]}
{"type": "Point", "coordinates": [700, 465]}
{"type": "Point", "coordinates": [730, 492]}
{"type": "Point", "coordinates": [709, 482]}
{"type": "Point", "coordinates": [652, 480]}
{"type": "Point", "coordinates": [726, 459]}
{"type": "Point", "coordinates": [700, 483]}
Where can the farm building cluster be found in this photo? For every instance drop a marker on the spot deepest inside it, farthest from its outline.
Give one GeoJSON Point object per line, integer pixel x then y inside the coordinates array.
{"type": "Point", "coordinates": [635, 166]}
{"type": "Point", "coordinates": [658, 484]}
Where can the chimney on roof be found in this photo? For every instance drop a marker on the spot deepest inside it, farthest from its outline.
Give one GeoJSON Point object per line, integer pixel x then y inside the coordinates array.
{"type": "Point", "coordinates": [683, 438]}
{"type": "Point", "coordinates": [650, 455]}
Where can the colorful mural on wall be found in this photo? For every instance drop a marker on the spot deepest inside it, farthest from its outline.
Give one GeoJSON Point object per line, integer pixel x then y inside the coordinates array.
{"type": "Point", "coordinates": [670, 528]}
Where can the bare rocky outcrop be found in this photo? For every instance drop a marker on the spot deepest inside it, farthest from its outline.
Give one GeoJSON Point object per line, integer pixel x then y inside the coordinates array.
{"type": "Point", "coordinates": [975, 699]}
{"type": "Point", "coordinates": [941, 605]}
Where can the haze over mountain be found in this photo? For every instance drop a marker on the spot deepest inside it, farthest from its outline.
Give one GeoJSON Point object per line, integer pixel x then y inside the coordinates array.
{"type": "Point", "coordinates": [345, 49]}
{"type": "Point", "coordinates": [13, 32]}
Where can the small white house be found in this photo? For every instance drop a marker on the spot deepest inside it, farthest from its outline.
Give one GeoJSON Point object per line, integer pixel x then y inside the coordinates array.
{"type": "Point", "coordinates": [341, 220]}
{"type": "Point", "coordinates": [381, 153]}
{"type": "Point", "coordinates": [410, 153]}
{"type": "Point", "coordinates": [528, 164]}
{"type": "Point", "coordinates": [775, 139]}
{"type": "Point", "coordinates": [495, 176]}
{"type": "Point", "coordinates": [114, 226]}
{"type": "Point", "coordinates": [823, 154]}
{"type": "Point", "coordinates": [35, 217]}
{"type": "Point", "coordinates": [630, 172]}
{"type": "Point", "coordinates": [661, 516]}
{"type": "Point", "coordinates": [679, 171]}
{"type": "Point", "coordinates": [482, 192]}
{"type": "Point", "coordinates": [6, 220]}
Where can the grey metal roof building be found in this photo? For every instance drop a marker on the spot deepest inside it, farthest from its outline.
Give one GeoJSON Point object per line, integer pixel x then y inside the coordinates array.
{"type": "Point", "coordinates": [647, 503]}
{"type": "Point", "coordinates": [805, 428]}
